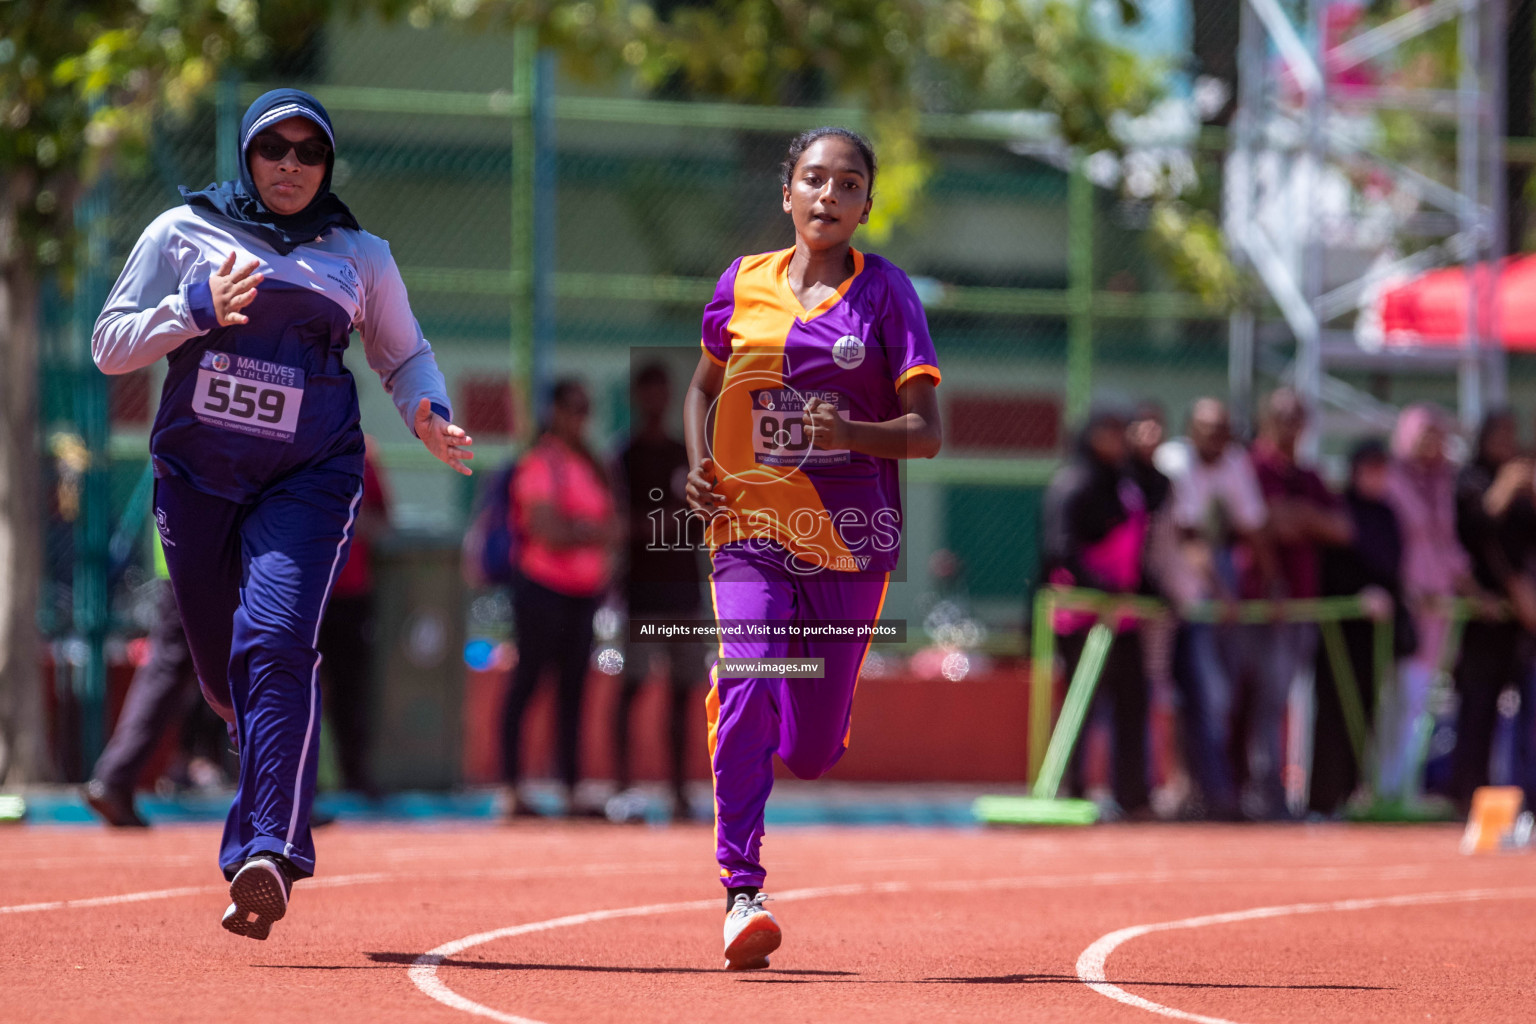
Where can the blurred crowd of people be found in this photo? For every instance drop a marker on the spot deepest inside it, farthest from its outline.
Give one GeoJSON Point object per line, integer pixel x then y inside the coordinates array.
{"type": "Point", "coordinates": [583, 530]}
{"type": "Point", "coordinates": [1201, 521]}
{"type": "Point", "coordinates": [1204, 521]}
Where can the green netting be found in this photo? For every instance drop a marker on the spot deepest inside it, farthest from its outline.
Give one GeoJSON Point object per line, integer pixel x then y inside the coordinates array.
{"type": "Point", "coordinates": [645, 210]}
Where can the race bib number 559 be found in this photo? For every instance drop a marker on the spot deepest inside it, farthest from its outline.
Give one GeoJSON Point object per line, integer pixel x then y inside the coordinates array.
{"type": "Point", "coordinates": [249, 396]}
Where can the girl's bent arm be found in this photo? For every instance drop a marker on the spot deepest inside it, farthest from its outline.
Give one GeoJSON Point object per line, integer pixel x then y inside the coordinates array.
{"type": "Point", "coordinates": [915, 434]}
{"type": "Point", "coordinates": [149, 313]}
{"type": "Point", "coordinates": [703, 389]}
{"type": "Point", "coordinates": [708, 377]}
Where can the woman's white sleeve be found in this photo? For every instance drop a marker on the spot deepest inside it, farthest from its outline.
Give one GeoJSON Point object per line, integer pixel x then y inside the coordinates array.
{"type": "Point", "coordinates": [393, 343]}
{"type": "Point", "coordinates": [150, 312]}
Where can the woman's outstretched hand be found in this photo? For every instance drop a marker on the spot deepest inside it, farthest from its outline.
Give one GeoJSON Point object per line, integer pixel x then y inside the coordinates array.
{"type": "Point", "coordinates": [233, 290]}
{"type": "Point", "coordinates": [448, 442]}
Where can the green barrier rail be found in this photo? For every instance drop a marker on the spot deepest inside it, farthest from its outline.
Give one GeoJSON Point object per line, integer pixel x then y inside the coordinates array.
{"type": "Point", "coordinates": [1051, 744]}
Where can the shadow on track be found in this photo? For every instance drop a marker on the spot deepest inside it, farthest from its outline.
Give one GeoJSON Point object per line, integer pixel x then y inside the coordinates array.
{"type": "Point", "coordinates": [771, 976]}
{"type": "Point", "coordinates": [384, 961]}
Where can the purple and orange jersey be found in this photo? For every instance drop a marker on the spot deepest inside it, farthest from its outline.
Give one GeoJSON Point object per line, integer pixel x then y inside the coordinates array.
{"type": "Point", "coordinates": [837, 510]}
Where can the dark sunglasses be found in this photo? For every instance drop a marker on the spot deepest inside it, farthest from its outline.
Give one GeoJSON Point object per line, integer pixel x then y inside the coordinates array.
{"type": "Point", "coordinates": [272, 146]}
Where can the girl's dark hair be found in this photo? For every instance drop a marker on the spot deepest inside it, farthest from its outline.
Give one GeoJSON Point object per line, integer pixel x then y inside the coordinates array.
{"type": "Point", "coordinates": [802, 142]}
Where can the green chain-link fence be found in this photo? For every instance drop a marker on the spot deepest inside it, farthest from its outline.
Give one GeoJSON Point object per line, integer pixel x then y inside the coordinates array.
{"type": "Point", "coordinates": [1042, 293]}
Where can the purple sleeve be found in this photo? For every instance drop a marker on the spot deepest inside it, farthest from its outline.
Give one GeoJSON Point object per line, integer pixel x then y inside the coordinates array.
{"type": "Point", "coordinates": [904, 331]}
{"type": "Point", "coordinates": [717, 316]}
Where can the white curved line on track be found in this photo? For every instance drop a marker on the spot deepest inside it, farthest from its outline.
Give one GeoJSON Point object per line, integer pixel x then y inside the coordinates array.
{"type": "Point", "coordinates": [1090, 966]}
{"type": "Point", "coordinates": [1327, 874]}
{"type": "Point", "coordinates": [424, 970]}
{"type": "Point", "coordinates": [334, 881]}
{"type": "Point", "coordinates": [338, 881]}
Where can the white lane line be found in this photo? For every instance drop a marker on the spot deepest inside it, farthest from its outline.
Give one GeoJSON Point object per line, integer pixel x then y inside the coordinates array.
{"type": "Point", "coordinates": [424, 970]}
{"type": "Point", "coordinates": [166, 894]}
{"type": "Point", "coordinates": [107, 901]}
{"type": "Point", "coordinates": [1102, 878]}
{"type": "Point", "coordinates": [1090, 966]}
{"type": "Point", "coordinates": [338, 881]}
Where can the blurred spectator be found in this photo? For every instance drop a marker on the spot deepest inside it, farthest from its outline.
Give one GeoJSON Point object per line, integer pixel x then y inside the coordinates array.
{"type": "Point", "coordinates": [157, 697]}
{"type": "Point", "coordinates": [347, 635]}
{"type": "Point", "coordinates": [1370, 565]}
{"type": "Point", "coordinates": [565, 519]}
{"type": "Point", "coordinates": [1304, 515]}
{"type": "Point", "coordinates": [1144, 435]}
{"type": "Point", "coordinates": [1094, 531]}
{"type": "Point", "coordinates": [1496, 522]}
{"type": "Point", "coordinates": [1215, 503]}
{"type": "Point", "coordinates": [661, 579]}
{"type": "Point", "coordinates": [1421, 487]}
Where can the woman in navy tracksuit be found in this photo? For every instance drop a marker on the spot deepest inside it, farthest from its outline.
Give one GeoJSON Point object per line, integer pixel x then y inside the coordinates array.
{"type": "Point", "coordinates": [252, 290]}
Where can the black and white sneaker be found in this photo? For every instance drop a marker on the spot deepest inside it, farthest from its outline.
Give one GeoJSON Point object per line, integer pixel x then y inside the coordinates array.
{"type": "Point", "coordinates": [259, 893]}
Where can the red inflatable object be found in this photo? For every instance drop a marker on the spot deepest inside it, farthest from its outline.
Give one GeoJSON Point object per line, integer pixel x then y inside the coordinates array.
{"type": "Point", "coordinates": [1432, 309]}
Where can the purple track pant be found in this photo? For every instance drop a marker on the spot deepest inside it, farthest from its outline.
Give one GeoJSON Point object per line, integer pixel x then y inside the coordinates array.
{"type": "Point", "coordinates": [804, 721]}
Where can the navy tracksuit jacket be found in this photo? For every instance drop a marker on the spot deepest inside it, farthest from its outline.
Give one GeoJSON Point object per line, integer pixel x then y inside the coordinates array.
{"type": "Point", "coordinates": [258, 456]}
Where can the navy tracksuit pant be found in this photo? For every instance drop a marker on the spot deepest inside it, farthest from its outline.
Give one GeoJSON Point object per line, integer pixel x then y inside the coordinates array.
{"type": "Point", "coordinates": [251, 581]}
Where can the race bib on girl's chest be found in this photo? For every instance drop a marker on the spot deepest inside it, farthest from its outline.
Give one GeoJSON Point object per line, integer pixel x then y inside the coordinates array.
{"type": "Point", "coordinates": [248, 396]}
{"type": "Point", "coordinates": [779, 437]}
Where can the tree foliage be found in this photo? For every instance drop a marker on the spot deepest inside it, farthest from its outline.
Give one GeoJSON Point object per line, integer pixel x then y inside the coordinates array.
{"type": "Point", "coordinates": [81, 83]}
{"type": "Point", "coordinates": [897, 58]}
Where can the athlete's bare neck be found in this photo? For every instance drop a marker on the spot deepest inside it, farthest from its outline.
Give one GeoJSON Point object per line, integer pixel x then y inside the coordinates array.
{"type": "Point", "coordinates": [816, 273]}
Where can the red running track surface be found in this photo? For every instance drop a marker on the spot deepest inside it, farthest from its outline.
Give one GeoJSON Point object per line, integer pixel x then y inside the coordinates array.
{"type": "Point", "coordinates": [917, 925]}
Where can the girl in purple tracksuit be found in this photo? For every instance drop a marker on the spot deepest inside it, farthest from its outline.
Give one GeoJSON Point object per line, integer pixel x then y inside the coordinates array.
{"type": "Point", "coordinates": [817, 374]}
{"type": "Point", "coordinates": [251, 291]}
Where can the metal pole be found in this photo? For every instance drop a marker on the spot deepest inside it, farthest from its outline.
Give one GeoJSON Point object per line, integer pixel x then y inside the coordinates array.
{"type": "Point", "coordinates": [543, 242]}
{"type": "Point", "coordinates": [524, 254]}
{"type": "Point", "coordinates": [1309, 360]}
{"type": "Point", "coordinates": [93, 527]}
{"type": "Point", "coordinates": [1240, 368]}
{"type": "Point", "coordinates": [1079, 292]}
{"type": "Point", "coordinates": [1468, 125]}
{"type": "Point", "coordinates": [226, 106]}
{"type": "Point", "coordinates": [1495, 384]}
{"type": "Point", "coordinates": [1239, 201]}
{"type": "Point", "coordinates": [1042, 680]}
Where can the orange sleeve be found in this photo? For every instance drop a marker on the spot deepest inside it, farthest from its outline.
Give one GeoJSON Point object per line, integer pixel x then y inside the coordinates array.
{"type": "Point", "coordinates": [922, 369]}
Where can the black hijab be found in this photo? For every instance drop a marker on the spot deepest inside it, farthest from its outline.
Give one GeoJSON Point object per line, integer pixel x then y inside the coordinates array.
{"type": "Point", "coordinates": [239, 201]}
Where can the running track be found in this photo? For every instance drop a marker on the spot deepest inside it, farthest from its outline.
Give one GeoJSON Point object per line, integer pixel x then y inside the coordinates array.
{"type": "Point", "coordinates": [588, 922]}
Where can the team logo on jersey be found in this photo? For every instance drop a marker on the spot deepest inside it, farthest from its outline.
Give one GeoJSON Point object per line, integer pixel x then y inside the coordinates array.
{"type": "Point", "coordinates": [346, 276]}
{"type": "Point", "coordinates": [218, 362]}
{"type": "Point", "coordinates": [765, 399]}
{"type": "Point", "coordinates": [848, 351]}
{"type": "Point", "coordinates": [164, 528]}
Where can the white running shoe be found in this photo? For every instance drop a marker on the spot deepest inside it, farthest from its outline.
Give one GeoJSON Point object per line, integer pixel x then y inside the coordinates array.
{"type": "Point", "coordinates": [260, 894]}
{"type": "Point", "coordinates": [751, 934]}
